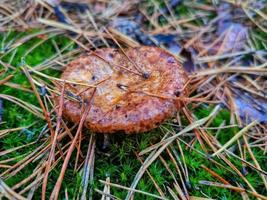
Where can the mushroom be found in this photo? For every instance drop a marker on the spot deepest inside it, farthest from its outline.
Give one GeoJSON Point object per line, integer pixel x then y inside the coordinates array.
{"type": "Point", "coordinates": [136, 88]}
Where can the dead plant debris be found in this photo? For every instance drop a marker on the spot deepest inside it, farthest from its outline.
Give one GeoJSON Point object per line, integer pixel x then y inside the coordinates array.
{"type": "Point", "coordinates": [214, 147]}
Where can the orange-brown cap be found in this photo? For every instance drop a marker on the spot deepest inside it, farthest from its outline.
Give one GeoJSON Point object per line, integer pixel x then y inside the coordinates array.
{"type": "Point", "coordinates": [136, 89]}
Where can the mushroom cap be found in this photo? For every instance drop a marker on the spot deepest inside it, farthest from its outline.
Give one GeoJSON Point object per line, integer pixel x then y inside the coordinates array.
{"type": "Point", "coordinates": [136, 89]}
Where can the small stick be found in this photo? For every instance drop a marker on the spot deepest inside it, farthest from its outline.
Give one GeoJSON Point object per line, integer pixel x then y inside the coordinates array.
{"type": "Point", "coordinates": [215, 175]}
{"type": "Point", "coordinates": [57, 187]}
{"type": "Point", "coordinates": [239, 134]}
{"type": "Point", "coordinates": [54, 142]}
{"type": "Point", "coordinates": [141, 71]}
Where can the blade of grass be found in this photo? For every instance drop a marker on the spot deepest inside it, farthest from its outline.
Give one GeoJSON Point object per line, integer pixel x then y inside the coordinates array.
{"type": "Point", "coordinates": [233, 139]}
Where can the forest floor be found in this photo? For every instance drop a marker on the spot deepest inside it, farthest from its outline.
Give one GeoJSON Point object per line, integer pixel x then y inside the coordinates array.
{"type": "Point", "coordinates": [212, 149]}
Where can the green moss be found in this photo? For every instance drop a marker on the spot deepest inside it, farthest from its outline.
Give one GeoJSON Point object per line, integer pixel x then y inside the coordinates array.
{"type": "Point", "coordinates": [119, 162]}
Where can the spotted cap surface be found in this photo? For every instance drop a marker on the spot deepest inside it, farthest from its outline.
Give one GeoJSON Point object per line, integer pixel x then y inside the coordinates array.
{"type": "Point", "coordinates": [137, 93]}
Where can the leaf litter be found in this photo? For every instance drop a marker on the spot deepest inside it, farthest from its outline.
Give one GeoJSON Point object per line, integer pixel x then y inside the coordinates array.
{"type": "Point", "coordinates": [225, 66]}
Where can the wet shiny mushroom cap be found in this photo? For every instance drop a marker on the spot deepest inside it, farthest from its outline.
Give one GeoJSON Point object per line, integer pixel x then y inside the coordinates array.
{"type": "Point", "coordinates": [136, 89]}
